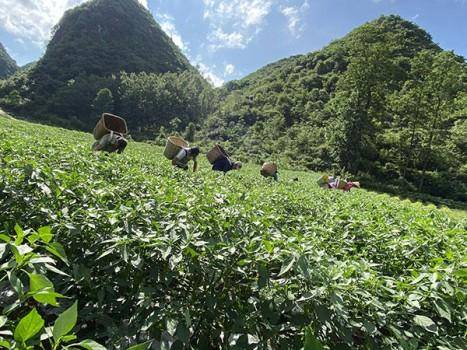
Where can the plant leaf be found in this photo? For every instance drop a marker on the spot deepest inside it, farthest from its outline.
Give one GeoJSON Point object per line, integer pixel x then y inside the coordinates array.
{"type": "Point", "coordinates": [426, 323]}
{"type": "Point", "coordinates": [89, 344]}
{"type": "Point", "coordinates": [29, 326]}
{"type": "Point", "coordinates": [142, 346]}
{"type": "Point", "coordinates": [39, 283]}
{"type": "Point", "coordinates": [65, 322]}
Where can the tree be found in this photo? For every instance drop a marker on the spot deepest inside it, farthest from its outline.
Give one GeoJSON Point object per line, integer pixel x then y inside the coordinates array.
{"type": "Point", "coordinates": [103, 102]}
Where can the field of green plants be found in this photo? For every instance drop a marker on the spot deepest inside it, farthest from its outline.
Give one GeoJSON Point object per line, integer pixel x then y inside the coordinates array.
{"type": "Point", "coordinates": [124, 251]}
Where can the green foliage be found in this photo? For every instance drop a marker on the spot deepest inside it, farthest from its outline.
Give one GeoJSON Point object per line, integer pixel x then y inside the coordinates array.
{"type": "Point", "coordinates": [158, 255]}
{"type": "Point", "coordinates": [92, 44]}
{"type": "Point", "coordinates": [171, 100]}
{"type": "Point", "coordinates": [103, 102]}
{"type": "Point", "coordinates": [28, 295]}
{"type": "Point", "coordinates": [7, 64]}
{"type": "Point", "coordinates": [383, 103]}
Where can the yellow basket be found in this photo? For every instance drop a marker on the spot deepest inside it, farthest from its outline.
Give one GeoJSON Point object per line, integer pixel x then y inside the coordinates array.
{"type": "Point", "coordinates": [173, 145]}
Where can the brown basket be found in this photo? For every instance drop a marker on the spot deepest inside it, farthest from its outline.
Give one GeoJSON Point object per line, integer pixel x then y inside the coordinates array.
{"type": "Point", "coordinates": [173, 146]}
{"type": "Point", "coordinates": [108, 123]}
{"type": "Point", "coordinates": [268, 169]}
{"type": "Point", "coordinates": [216, 152]}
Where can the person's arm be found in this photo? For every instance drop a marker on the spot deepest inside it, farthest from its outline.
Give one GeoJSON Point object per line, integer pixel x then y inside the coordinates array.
{"type": "Point", "coordinates": [195, 165]}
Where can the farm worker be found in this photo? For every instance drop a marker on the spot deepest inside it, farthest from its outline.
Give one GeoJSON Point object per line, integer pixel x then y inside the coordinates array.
{"type": "Point", "coordinates": [225, 164]}
{"type": "Point", "coordinates": [266, 172]}
{"type": "Point", "coordinates": [111, 142]}
{"type": "Point", "coordinates": [332, 182]}
{"type": "Point", "coordinates": [324, 181]}
{"type": "Point", "coordinates": [184, 156]}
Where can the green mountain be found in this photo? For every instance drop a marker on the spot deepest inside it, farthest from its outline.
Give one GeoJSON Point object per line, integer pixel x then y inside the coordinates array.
{"type": "Point", "coordinates": [91, 45]}
{"type": "Point", "coordinates": [384, 102]}
{"type": "Point", "coordinates": [103, 37]}
{"type": "Point", "coordinates": [7, 64]}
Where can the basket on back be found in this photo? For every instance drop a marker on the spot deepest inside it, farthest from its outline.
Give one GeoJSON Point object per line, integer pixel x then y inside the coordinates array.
{"type": "Point", "coordinates": [215, 153]}
{"type": "Point", "coordinates": [108, 123]}
{"type": "Point", "coordinates": [173, 145]}
{"type": "Point", "coordinates": [268, 169]}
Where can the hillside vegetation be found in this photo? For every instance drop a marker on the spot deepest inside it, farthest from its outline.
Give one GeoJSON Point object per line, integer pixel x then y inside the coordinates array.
{"type": "Point", "coordinates": [91, 46]}
{"type": "Point", "coordinates": [7, 64]}
{"type": "Point", "coordinates": [382, 103]}
{"type": "Point", "coordinates": [208, 261]}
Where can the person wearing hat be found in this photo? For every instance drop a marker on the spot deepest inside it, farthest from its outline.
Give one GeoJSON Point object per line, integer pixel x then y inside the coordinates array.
{"type": "Point", "coordinates": [225, 164]}
{"type": "Point", "coordinates": [184, 156]}
{"type": "Point", "coordinates": [111, 142]}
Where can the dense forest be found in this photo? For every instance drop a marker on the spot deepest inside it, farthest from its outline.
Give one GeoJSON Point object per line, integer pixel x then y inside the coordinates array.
{"type": "Point", "coordinates": [384, 103]}
{"type": "Point", "coordinates": [7, 64]}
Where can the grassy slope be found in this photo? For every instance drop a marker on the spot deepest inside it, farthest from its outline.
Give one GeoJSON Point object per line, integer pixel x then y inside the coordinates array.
{"type": "Point", "coordinates": [51, 177]}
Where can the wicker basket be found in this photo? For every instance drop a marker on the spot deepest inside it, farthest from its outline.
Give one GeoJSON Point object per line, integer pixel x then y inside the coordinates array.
{"type": "Point", "coordinates": [173, 145]}
{"type": "Point", "coordinates": [268, 169]}
{"type": "Point", "coordinates": [108, 123]}
{"type": "Point", "coordinates": [216, 152]}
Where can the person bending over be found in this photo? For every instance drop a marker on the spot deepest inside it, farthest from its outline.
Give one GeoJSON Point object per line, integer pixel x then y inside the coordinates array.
{"type": "Point", "coordinates": [225, 164]}
{"type": "Point", "coordinates": [185, 155]}
{"type": "Point", "coordinates": [112, 142]}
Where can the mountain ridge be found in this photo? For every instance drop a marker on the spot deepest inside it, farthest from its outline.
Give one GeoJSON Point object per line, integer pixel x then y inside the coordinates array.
{"type": "Point", "coordinates": [8, 65]}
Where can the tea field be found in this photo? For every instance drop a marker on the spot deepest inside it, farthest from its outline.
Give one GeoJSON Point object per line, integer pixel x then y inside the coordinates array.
{"type": "Point", "coordinates": [123, 251]}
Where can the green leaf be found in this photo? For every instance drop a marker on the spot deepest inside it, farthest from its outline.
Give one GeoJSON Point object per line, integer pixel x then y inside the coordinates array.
{"type": "Point", "coordinates": [443, 309]}
{"type": "Point", "coordinates": [29, 326]}
{"type": "Point", "coordinates": [426, 323]}
{"type": "Point", "coordinates": [3, 320]}
{"type": "Point", "coordinates": [65, 322]}
{"type": "Point", "coordinates": [90, 345]}
{"type": "Point", "coordinates": [311, 342]}
{"type": "Point", "coordinates": [45, 233]}
{"type": "Point", "coordinates": [5, 238]}
{"type": "Point", "coordinates": [286, 266]}
{"type": "Point", "coordinates": [15, 282]}
{"type": "Point", "coordinates": [19, 235]}
{"type": "Point", "coordinates": [142, 346]}
{"type": "Point", "coordinates": [40, 283]}
{"type": "Point", "coordinates": [2, 249]}
{"type": "Point", "coordinates": [57, 250]}
{"type": "Point", "coordinates": [303, 266]}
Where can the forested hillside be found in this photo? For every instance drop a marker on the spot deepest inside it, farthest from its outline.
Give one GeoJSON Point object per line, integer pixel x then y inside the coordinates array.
{"type": "Point", "coordinates": [91, 45]}
{"type": "Point", "coordinates": [7, 64]}
{"type": "Point", "coordinates": [384, 102]}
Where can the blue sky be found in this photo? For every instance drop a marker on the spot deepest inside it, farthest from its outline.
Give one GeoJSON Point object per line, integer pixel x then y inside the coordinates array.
{"type": "Point", "coordinates": [228, 39]}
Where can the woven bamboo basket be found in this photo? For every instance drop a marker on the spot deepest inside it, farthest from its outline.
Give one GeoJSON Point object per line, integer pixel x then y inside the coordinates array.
{"type": "Point", "coordinates": [268, 169]}
{"type": "Point", "coordinates": [173, 145]}
{"type": "Point", "coordinates": [108, 123]}
{"type": "Point", "coordinates": [215, 153]}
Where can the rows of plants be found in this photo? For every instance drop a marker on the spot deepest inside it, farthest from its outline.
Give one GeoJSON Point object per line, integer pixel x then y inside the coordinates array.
{"type": "Point", "coordinates": [175, 260]}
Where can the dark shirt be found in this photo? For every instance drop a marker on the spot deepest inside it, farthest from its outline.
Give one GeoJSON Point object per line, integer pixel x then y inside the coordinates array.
{"type": "Point", "coordinates": [222, 164]}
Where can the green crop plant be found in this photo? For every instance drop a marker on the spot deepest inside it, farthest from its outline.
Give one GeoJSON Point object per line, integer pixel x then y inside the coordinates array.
{"type": "Point", "coordinates": [178, 260]}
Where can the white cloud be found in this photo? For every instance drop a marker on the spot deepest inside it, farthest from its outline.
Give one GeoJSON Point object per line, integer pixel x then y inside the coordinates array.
{"type": "Point", "coordinates": [234, 40]}
{"type": "Point", "coordinates": [168, 26]}
{"type": "Point", "coordinates": [207, 72]}
{"type": "Point", "coordinates": [32, 20]}
{"type": "Point", "coordinates": [294, 15]}
{"type": "Point", "coordinates": [229, 69]}
{"type": "Point", "coordinates": [209, 75]}
{"type": "Point", "coordinates": [234, 23]}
